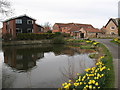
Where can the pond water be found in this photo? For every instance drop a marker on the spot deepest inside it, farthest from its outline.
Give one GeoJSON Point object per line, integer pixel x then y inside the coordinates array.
{"type": "Point", "coordinates": [41, 66]}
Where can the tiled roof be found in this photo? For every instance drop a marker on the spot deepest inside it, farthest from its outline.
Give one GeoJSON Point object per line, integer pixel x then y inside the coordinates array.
{"type": "Point", "coordinates": [74, 28]}
{"type": "Point", "coordinates": [18, 17]}
{"type": "Point", "coordinates": [73, 24]}
{"type": "Point", "coordinates": [92, 30]}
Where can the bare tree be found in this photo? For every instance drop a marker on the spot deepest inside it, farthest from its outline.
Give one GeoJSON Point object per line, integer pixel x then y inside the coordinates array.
{"type": "Point", "coordinates": [5, 9]}
{"type": "Point", "coordinates": [47, 27]}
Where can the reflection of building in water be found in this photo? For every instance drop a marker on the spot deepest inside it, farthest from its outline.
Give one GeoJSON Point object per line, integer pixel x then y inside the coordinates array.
{"type": "Point", "coordinates": [66, 51]}
{"type": "Point", "coordinates": [21, 59]}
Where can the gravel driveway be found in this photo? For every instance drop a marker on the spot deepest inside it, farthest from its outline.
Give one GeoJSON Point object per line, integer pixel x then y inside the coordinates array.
{"type": "Point", "coordinates": [115, 54]}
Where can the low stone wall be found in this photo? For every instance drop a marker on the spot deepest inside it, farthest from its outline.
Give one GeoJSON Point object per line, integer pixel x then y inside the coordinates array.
{"type": "Point", "coordinates": [106, 36]}
{"type": "Point", "coordinates": [27, 42]}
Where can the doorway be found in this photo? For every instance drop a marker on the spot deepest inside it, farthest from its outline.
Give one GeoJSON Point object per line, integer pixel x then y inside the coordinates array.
{"type": "Point", "coordinates": [81, 35]}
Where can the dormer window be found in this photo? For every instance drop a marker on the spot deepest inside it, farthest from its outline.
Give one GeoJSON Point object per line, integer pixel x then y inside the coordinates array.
{"type": "Point", "coordinates": [29, 22]}
{"type": "Point", "coordinates": [112, 28]}
{"type": "Point", "coordinates": [18, 21]}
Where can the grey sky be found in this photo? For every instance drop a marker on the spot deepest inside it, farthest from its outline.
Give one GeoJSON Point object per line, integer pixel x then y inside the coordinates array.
{"type": "Point", "coordinates": [95, 12]}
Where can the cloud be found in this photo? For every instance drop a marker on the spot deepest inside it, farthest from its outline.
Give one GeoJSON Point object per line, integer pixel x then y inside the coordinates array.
{"type": "Point", "coordinates": [96, 12]}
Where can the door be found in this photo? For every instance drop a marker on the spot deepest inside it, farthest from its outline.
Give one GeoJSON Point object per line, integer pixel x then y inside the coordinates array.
{"type": "Point", "coordinates": [82, 35]}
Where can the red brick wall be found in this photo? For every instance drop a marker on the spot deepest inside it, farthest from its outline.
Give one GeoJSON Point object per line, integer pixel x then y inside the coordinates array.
{"type": "Point", "coordinates": [53, 31]}
{"type": "Point", "coordinates": [13, 28]}
{"type": "Point", "coordinates": [4, 28]}
{"type": "Point", "coordinates": [65, 29]}
{"type": "Point", "coordinates": [34, 27]}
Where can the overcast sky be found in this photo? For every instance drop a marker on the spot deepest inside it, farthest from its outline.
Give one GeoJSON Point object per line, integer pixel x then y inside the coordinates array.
{"type": "Point", "coordinates": [95, 12]}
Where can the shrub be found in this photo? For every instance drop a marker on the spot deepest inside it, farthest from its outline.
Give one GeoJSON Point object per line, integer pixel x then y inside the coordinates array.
{"type": "Point", "coordinates": [49, 31]}
{"type": "Point", "coordinates": [32, 36]}
{"type": "Point", "coordinates": [65, 34]}
{"type": "Point", "coordinates": [58, 40]}
{"type": "Point", "coordinates": [57, 33]}
{"type": "Point", "coordinates": [7, 36]}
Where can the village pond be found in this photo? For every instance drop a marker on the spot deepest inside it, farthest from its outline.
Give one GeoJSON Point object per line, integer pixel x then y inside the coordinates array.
{"type": "Point", "coordinates": [41, 66]}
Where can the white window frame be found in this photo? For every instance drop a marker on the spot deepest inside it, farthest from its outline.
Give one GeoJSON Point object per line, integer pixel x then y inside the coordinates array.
{"type": "Point", "coordinates": [29, 21]}
{"type": "Point", "coordinates": [29, 29]}
{"type": "Point", "coordinates": [112, 28]}
{"type": "Point", "coordinates": [20, 30]}
{"type": "Point", "coordinates": [18, 21]}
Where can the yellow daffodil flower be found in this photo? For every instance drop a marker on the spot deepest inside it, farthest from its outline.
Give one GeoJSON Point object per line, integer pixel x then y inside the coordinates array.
{"type": "Point", "coordinates": [96, 83]}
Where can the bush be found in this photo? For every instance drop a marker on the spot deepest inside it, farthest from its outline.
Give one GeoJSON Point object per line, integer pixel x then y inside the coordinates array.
{"type": "Point", "coordinates": [49, 31]}
{"type": "Point", "coordinates": [32, 36]}
{"type": "Point", "coordinates": [65, 34]}
{"type": "Point", "coordinates": [58, 40]}
{"type": "Point", "coordinates": [7, 36]}
{"type": "Point", "coordinates": [57, 33]}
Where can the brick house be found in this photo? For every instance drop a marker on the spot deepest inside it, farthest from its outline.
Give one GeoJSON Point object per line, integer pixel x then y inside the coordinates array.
{"type": "Point", "coordinates": [111, 28]}
{"type": "Point", "coordinates": [21, 24]}
{"type": "Point", "coordinates": [76, 30]}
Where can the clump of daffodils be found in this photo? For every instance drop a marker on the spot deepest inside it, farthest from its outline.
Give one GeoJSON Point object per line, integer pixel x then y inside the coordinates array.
{"type": "Point", "coordinates": [117, 40]}
{"type": "Point", "coordinates": [88, 41]}
{"type": "Point", "coordinates": [95, 43]}
{"type": "Point", "coordinates": [92, 79]}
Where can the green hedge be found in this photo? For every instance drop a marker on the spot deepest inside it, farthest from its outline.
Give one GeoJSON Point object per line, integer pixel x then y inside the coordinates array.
{"type": "Point", "coordinates": [32, 36]}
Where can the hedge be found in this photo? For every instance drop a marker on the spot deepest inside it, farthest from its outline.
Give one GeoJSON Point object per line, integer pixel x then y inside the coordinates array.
{"type": "Point", "coordinates": [33, 36]}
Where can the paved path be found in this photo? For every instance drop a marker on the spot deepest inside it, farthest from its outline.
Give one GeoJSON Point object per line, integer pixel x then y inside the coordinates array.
{"type": "Point", "coordinates": [114, 51]}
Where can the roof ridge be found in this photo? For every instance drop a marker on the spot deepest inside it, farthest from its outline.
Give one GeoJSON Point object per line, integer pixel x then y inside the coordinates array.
{"type": "Point", "coordinates": [18, 17]}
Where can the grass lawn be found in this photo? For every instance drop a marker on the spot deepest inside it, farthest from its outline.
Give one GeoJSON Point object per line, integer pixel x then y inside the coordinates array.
{"type": "Point", "coordinates": [109, 63]}
{"type": "Point", "coordinates": [115, 42]}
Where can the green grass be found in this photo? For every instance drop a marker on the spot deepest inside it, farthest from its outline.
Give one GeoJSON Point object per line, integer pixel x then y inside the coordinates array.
{"type": "Point", "coordinates": [115, 42]}
{"type": "Point", "coordinates": [85, 47]}
{"type": "Point", "coordinates": [109, 63]}
{"type": "Point", "coordinates": [108, 60]}
{"type": "Point", "coordinates": [93, 55]}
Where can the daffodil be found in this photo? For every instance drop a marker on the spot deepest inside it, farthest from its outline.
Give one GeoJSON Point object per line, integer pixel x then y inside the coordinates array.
{"type": "Point", "coordinates": [63, 84]}
{"type": "Point", "coordinates": [87, 69]}
{"type": "Point", "coordinates": [86, 86]}
{"type": "Point", "coordinates": [79, 78]}
{"type": "Point", "coordinates": [102, 75]}
{"type": "Point", "coordinates": [98, 87]}
{"type": "Point", "coordinates": [78, 74]}
{"type": "Point", "coordinates": [76, 84]}
{"type": "Point", "coordinates": [88, 77]}
{"type": "Point", "coordinates": [80, 83]}
{"type": "Point", "coordinates": [96, 83]}
{"type": "Point", "coordinates": [90, 86]}
{"type": "Point", "coordinates": [108, 68]}
{"type": "Point", "coordinates": [94, 87]}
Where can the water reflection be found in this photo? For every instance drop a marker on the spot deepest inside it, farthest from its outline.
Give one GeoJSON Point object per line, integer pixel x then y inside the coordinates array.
{"type": "Point", "coordinates": [41, 66]}
{"type": "Point", "coordinates": [24, 58]}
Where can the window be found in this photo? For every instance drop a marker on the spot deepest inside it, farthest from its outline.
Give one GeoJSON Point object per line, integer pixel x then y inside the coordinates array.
{"type": "Point", "coordinates": [18, 21]}
{"type": "Point", "coordinates": [8, 23]}
{"type": "Point", "coordinates": [29, 30]}
{"type": "Point", "coordinates": [112, 28]}
{"type": "Point", "coordinates": [19, 57]}
{"type": "Point", "coordinates": [29, 22]}
{"type": "Point", "coordinates": [112, 33]}
{"type": "Point", "coordinates": [18, 30]}
{"type": "Point", "coordinates": [39, 29]}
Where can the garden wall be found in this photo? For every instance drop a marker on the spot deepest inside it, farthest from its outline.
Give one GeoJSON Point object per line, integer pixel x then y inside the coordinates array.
{"type": "Point", "coordinates": [26, 42]}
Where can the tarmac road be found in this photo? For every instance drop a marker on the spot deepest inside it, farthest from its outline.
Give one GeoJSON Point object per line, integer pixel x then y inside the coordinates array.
{"type": "Point", "coordinates": [114, 49]}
